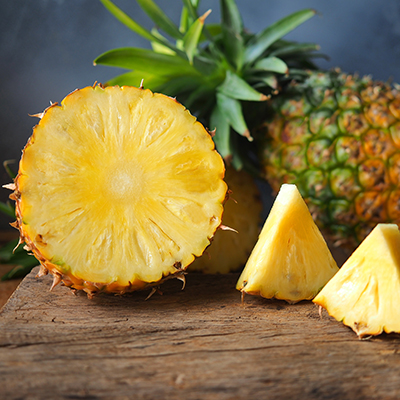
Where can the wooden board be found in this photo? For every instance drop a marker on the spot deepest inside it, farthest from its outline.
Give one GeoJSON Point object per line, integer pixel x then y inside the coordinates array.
{"type": "Point", "coordinates": [199, 343]}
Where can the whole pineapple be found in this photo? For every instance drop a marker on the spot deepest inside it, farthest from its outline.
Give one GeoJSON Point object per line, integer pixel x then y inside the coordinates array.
{"type": "Point", "coordinates": [334, 135]}
{"type": "Point", "coordinates": [337, 137]}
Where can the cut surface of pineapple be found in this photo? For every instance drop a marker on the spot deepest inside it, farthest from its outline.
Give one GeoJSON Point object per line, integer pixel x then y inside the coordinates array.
{"type": "Point", "coordinates": [365, 293]}
{"type": "Point", "coordinates": [118, 188]}
{"type": "Point", "coordinates": [291, 260]}
{"type": "Point", "coordinates": [242, 212]}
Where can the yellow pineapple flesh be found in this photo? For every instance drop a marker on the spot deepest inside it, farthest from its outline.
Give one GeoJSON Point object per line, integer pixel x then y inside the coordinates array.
{"type": "Point", "coordinates": [365, 293]}
{"type": "Point", "coordinates": [242, 212]}
{"type": "Point", "coordinates": [118, 189]}
{"type": "Point", "coordinates": [291, 260]}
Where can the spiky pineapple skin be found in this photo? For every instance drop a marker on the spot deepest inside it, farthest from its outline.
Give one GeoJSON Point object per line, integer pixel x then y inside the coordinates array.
{"type": "Point", "coordinates": [337, 137]}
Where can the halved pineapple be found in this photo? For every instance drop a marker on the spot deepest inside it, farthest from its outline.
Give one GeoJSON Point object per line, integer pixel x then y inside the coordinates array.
{"type": "Point", "coordinates": [230, 250]}
{"type": "Point", "coordinates": [365, 293]}
{"type": "Point", "coordinates": [118, 188]}
{"type": "Point", "coordinates": [291, 260]}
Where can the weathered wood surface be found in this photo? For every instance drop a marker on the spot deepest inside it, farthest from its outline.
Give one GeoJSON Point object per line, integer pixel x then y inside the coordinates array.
{"type": "Point", "coordinates": [199, 343]}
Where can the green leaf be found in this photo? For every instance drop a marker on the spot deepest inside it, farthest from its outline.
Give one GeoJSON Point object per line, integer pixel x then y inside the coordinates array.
{"type": "Point", "coordinates": [222, 135]}
{"type": "Point", "coordinates": [192, 36]}
{"type": "Point", "coordinates": [213, 29]}
{"type": "Point", "coordinates": [146, 61]}
{"type": "Point", "coordinates": [19, 257]}
{"type": "Point", "coordinates": [185, 20]}
{"type": "Point", "coordinates": [232, 110]}
{"type": "Point", "coordinates": [6, 251]}
{"type": "Point", "coordinates": [260, 42]}
{"type": "Point", "coordinates": [160, 47]}
{"type": "Point", "coordinates": [188, 17]}
{"type": "Point", "coordinates": [9, 171]}
{"type": "Point", "coordinates": [134, 26]}
{"type": "Point", "coordinates": [195, 3]}
{"type": "Point", "coordinates": [136, 78]}
{"type": "Point", "coordinates": [289, 49]}
{"type": "Point", "coordinates": [198, 94]}
{"type": "Point", "coordinates": [237, 156]}
{"type": "Point", "coordinates": [234, 48]}
{"type": "Point", "coordinates": [179, 85]}
{"type": "Point", "coordinates": [231, 16]}
{"type": "Point", "coordinates": [126, 20]}
{"type": "Point", "coordinates": [160, 18]}
{"type": "Point", "coordinates": [268, 79]}
{"type": "Point", "coordinates": [272, 64]}
{"type": "Point", "coordinates": [7, 208]}
{"type": "Point", "coordinates": [22, 269]}
{"type": "Point", "coordinates": [237, 88]}
{"type": "Point", "coordinates": [191, 8]}
{"type": "Point", "coordinates": [208, 66]}
{"type": "Point", "coordinates": [232, 26]}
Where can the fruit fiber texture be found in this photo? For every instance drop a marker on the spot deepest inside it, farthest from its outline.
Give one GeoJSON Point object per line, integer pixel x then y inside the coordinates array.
{"type": "Point", "coordinates": [365, 293]}
{"type": "Point", "coordinates": [118, 189]}
{"type": "Point", "coordinates": [337, 137]}
{"type": "Point", "coordinates": [242, 212]}
{"type": "Point", "coordinates": [291, 260]}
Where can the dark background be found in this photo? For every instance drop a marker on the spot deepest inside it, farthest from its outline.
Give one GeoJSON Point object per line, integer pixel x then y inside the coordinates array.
{"type": "Point", "coordinates": [47, 48]}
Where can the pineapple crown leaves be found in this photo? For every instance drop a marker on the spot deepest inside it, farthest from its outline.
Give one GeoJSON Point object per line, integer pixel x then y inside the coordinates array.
{"type": "Point", "coordinates": [211, 68]}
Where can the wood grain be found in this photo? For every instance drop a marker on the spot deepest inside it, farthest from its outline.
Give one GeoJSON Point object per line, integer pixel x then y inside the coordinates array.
{"type": "Point", "coordinates": [199, 343]}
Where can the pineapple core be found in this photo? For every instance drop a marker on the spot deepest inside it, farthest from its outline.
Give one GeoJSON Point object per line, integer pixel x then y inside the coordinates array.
{"type": "Point", "coordinates": [365, 293]}
{"type": "Point", "coordinates": [291, 260]}
{"type": "Point", "coordinates": [118, 188]}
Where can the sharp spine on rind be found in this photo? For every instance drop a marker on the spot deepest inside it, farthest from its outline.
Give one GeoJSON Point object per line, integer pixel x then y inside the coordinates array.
{"type": "Point", "coordinates": [183, 279]}
{"type": "Point", "coordinates": [227, 228]}
{"type": "Point", "coordinates": [10, 186]}
{"type": "Point", "coordinates": [42, 272]}
{"type": "Point", "coordinates": [56, 280]}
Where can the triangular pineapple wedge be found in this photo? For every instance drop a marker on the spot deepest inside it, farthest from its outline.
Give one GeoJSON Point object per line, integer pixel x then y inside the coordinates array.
{"type": "Point", "coordinates": [118, 189]}
{"type": "Point", "coordinates": [365, 293]}
{"type": "Point", "coordinates": [291, 260]}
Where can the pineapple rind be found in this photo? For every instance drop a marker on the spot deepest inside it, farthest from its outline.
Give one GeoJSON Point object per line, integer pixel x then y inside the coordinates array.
{"type": "Point", "coordinates": [365, 293]}
{"type": "Point", "coordinates": [118, 188]}
{"type": "Point", "coordinates": [336, 137]}
{"type": "Point", "coordinates": [291, 260]}
{"type": "Point", "coordinates": [242, 212]}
